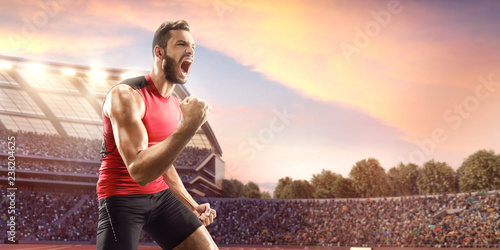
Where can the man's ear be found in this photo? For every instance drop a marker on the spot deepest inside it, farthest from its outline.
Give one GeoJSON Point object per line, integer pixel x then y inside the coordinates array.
{"type": "Point", "coordinates": [159, 52]}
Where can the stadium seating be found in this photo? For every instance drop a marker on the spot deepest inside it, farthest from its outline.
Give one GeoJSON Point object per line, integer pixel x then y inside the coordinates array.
{"type": "Point", "coordinates": [404, 221]}
{"type": "Point", "coordinates": [48, 214]}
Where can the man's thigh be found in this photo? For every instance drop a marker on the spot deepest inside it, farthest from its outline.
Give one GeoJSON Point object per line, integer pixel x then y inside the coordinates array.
{"type": "Point", "coordinates": [171, 221]}
{"type": "Point", "coordinates": [120, 222]}
{"type": "Point", "coordinates": [199, 239]}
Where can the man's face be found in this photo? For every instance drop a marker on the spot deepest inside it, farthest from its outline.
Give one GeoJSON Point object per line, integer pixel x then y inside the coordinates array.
{"type": "Point", "coordinates": [179, 56]}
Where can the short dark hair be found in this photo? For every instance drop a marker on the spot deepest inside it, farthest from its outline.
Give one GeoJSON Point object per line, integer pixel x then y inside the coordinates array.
{"type": "Point", "coordinates": [162, 34]}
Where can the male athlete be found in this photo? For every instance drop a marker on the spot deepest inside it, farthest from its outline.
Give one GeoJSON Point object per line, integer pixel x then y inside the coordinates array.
{"type": "Point", "coordinates": [138, 186]}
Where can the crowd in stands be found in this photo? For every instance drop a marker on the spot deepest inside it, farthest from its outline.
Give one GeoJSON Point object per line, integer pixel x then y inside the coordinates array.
{"type": "Point", "coordinates": [472, 220]}
{"type": "Point", "coordinates": [54, 146]}
{"type": "Point", "coordinates": [191, 157]}
{"type": "Point", "coordinates": [53, 166]}
{"type": "Point", "coordinates": [67, 147]}
{"type": "Point", "coordinates": [81, 224]}
{"type": "Point", "coordinates": [187, 176]}
{"type": "Point", "coordinates": [447, 220]}
{"type": "Point", "coordinates": [38, 213]}
{"type": "Point", "coordinates": [405, 221]}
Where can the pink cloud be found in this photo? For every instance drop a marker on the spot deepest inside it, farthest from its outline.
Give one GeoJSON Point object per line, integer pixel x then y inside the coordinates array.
{"type": "Point", "coordinates": [408, 75]}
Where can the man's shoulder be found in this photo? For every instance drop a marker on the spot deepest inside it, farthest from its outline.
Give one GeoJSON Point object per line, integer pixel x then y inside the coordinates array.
{"type": "Point", "coordinates": [125, 94]}
{"type": "Point", "coordinates": [138, 82]}
{"type": "Point", "coordinates": [127, 85]}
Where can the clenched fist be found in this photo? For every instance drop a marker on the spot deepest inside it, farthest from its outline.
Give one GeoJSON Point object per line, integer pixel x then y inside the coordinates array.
{"type": "Point", "coordinates": [195, 111]}
{"type": "Point", "coordinates": [205, 214]}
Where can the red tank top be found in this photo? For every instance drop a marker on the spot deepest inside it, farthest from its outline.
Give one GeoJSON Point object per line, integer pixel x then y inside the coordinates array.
{"type": "Point", "coordinates": [161, 118]}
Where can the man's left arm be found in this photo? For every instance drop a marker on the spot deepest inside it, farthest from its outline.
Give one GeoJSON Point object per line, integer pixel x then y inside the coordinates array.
{"type": "Point", "coordinates": [203, 211]}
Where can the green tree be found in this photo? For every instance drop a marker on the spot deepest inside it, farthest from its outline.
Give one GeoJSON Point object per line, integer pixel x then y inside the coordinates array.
{"type": "Point", "coordinates": [436, 177]}
{"type": "Point", "coordinates": [395, 181]}
{"type": "Point", "coordinates": [403, 179]}
{"type": "Point", "coordinates": [344, 188]}
{"type": "Point", "coordinates": [480, 171]}
{"type": "Point", "coordinates": [370, 179]}
{"type": "Point", "coordinates": [251, 190]}
{"type": "Point", "coordinates": [288, 188]}
{"type": "Point", "coordinates": [281, 186]}
{"type": "Point", "coordinates": [228, 190]}
{"type": "Point", "coordinates": [265, 195]}
{"type": "Point", "coordinates": [323, 184]}
{"type": "Point", "coordinates": [239, 188]}
{"type": "Point", "coordinates": [300, 189]}
{"type": "Point", "coordinates": [232, 188]}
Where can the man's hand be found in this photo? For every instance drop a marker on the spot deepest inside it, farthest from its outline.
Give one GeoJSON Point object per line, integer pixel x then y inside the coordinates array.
{"type": "Point", "coordinates": [205, 214]}
{"type": "Point", "coordinates": [195, 111]}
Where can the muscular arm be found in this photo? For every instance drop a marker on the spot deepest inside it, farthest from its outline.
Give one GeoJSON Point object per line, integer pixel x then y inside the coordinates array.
{"type": "Point", "coordinates": [125, 108]}
{"type": "Point", "coordinates": [173, 180]}
{"type": "Point", "coordinates": [203, 211]}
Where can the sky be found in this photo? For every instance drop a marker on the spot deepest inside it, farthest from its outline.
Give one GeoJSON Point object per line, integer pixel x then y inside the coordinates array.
{"type": "Point", "coordinates": [300, 86]}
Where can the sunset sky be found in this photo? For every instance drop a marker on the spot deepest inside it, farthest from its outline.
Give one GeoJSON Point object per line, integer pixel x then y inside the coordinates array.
{"type": "Point", "coordinates": [301, 86]}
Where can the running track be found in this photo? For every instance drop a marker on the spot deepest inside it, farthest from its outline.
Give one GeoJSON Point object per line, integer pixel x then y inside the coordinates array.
{"type": "Point", "coordinates": [92, 247]}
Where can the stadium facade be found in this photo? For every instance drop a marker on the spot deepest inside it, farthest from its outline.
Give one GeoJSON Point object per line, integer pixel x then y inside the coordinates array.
{"type": "Point", "coordinates": [65, 101]}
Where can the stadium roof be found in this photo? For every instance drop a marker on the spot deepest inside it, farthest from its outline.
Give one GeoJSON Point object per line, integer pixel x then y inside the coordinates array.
{"type": "Point", "coordinates": [66, 99]}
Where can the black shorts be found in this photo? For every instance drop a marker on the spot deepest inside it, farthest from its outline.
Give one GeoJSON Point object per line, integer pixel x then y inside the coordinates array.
{"type": "Point", "coordinates": [161, 215]}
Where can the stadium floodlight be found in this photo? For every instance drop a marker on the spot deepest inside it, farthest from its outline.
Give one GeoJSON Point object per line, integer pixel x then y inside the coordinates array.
{"type": "Point", "coordinates": [68, 71]}
{"type": "Point", "coordinates": [97, 74]}
{"type": "Point", "coordinates": [35, 68]}
{"type": "Point", "coordinates": [5, 65]}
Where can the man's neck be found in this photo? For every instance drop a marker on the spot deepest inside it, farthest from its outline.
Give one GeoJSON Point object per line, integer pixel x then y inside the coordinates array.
{"type": "Point", "coordinates": [164, 87]}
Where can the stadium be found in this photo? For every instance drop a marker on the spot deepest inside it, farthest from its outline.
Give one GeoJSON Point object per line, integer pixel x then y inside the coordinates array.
{"type": "Point", "coordinates": [52, 115]}
{"type": "Point", "coordinates": [51, 127]}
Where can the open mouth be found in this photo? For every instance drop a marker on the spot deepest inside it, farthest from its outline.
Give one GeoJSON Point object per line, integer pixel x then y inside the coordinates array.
{"type": "Point", "coordinates": [186, 66]}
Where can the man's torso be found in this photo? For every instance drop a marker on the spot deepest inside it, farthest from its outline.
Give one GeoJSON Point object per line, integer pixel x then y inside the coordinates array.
{"type": "Point", "coordinates": [161, 118]}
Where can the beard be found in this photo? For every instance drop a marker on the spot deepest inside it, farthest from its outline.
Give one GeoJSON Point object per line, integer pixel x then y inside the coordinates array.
{"type": "Point", "coordinates": [170, 69]}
